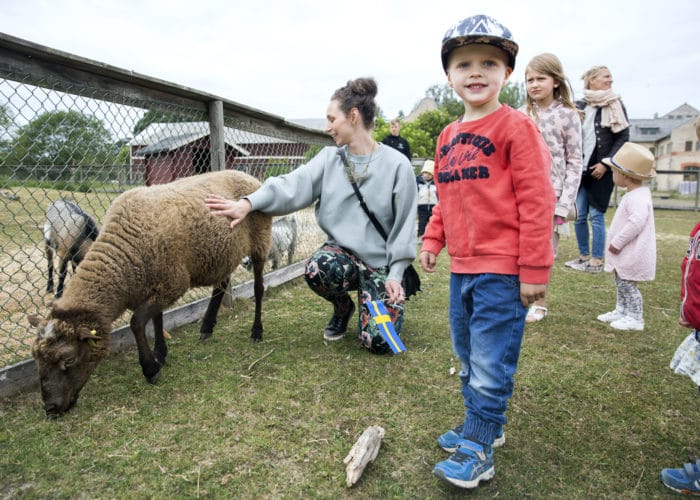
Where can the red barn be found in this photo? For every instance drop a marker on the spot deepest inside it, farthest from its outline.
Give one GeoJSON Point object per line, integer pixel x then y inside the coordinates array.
{"type": "Point", "coordinates": [163, 152]}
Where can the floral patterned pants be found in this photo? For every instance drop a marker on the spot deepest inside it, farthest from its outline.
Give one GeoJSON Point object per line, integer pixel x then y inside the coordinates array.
{"type": "Point", "coordinates": [332, 272]}
{"type": "Point", "coordinates": [629, 298]}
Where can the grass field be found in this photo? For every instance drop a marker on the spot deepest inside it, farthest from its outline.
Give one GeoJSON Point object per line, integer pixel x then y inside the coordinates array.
{"type": "Point", "coordinates": [596, 412]}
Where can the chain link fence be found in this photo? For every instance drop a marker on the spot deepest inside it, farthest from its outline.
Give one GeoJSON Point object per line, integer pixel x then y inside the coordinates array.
{"type": "Point", "coordinates": [77, 130]}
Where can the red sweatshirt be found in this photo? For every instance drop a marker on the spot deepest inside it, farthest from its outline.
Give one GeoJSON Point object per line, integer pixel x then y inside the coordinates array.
{"type": "Point", "coordinates": [496, 201]}
{"type": "Point", "coordinates": [690, 281]}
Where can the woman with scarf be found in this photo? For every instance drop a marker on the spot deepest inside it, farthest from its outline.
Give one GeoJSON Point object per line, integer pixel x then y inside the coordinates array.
{"type": "Point", "coordinates": [605, 130]}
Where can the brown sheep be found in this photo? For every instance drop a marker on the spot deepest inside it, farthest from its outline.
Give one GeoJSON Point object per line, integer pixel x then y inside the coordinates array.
{"type": "Point", "coordinates": [156, 243]}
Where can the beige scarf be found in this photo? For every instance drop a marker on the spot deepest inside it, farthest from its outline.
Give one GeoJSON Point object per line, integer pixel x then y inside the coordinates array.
{"type": "Point", "coordinates": [612, 114]}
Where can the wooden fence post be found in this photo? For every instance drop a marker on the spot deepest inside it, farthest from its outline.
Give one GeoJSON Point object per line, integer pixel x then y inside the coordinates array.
{"type": "Point", "coordinates": [217, 145]}
{"type": "Point", "coordinates": [217, 149]}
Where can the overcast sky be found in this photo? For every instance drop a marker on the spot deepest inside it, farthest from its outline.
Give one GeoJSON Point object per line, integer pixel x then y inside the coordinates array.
{"type": "Point", "coordinates": [286, 57]}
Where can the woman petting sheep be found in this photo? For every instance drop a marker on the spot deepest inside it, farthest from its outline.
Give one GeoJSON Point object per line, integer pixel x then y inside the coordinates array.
{"type": "Point", "coordinates": [355, 255]}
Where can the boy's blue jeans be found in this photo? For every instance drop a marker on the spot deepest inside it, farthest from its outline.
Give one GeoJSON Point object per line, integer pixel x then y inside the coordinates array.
{"type": "Point", "coordinates": [587, 211]}
{"type": "Point", "coordinates": [487, 320]}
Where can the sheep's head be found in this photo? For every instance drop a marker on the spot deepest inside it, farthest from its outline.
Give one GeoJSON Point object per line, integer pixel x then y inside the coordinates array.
{"type": "Point", "coordinates": [66, 353]}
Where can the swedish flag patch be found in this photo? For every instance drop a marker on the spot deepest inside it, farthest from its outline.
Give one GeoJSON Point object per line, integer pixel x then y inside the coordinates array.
{"type": "Point", "coordinates": [386, 327]}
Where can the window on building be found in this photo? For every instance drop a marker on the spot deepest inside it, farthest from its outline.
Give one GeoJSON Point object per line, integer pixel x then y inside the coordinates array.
{"type": "Point", "coordinates": [691, 177]}
{"type": "Point", "coordinates": [697, 146]}
{"type": "Point", "coordinates": [688, 145]}
{"type": "Point", "coordinates": [653, 151]}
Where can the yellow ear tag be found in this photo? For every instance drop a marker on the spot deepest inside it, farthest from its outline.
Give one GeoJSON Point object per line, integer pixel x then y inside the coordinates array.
{"type": "Point", "coordinates": [90, 341]}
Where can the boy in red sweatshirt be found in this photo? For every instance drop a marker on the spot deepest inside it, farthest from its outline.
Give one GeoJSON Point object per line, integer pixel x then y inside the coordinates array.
{"type": "Point", "coordinates": [494, 214]}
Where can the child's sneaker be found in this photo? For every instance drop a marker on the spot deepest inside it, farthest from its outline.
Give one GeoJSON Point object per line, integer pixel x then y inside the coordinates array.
{"type": "Point", "coordinates": [685, 480]}
{"type": "Point", "coordinates": [578, 264]}
{"type": "Point", "coordinates": [448, 441]}
{"type": "Point", "coordinates": [627, 323]}
{"type": "Point", "coordinates": [611, 316]}
{"type": "Point", "coordinates": [470, 464]}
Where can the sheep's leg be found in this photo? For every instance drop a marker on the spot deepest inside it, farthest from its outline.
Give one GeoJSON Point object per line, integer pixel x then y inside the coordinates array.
{"type": "Point", "coordinates": [209, 320]}
{"type": "Point", "coordinates": [160, 348]}
{"type": "Point", "coordinates": [62, 271]}
{"type": "Point", "coordinates": [292, 246]}
{"type": "Point", "coordinates": [49, 261]}
{"type": "Point", "coordinates": [258, 290]}
{"type": "Point", "coordinates": [294, 233]}
{"type": "Point", "coordinates": [150, 366]}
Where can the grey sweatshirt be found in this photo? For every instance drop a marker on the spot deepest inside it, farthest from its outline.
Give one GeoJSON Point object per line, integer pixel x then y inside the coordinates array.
{"type": "Point", "coordinates": [388, 186]}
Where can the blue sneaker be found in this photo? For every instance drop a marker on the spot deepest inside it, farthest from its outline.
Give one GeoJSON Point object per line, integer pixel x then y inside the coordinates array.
{"type": "Point", "coordinates": [685, 480]}
{"type": "Point", "coordinates": [448, 441]}
{"type": "Point", "coordinates": [468, 466]}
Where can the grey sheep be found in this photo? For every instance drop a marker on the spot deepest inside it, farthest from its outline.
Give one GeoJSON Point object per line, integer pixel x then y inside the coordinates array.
{"type": "Point", "coordinates": [69, 232]}
{"type": "Point", "coordinates": [285, 234]}
{"type": "Point", "coordinates": [156, 243]}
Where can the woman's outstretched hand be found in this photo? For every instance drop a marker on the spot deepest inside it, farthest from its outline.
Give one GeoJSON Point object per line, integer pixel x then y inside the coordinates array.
{"type": "Point", "coordinates": [236, 210]}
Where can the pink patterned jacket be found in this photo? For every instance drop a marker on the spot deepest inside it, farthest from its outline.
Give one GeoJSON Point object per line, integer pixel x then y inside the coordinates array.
{"type": "Point", "coordinates": [561, 129]}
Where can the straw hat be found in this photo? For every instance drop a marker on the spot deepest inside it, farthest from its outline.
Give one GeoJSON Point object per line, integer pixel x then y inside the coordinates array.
{"type": "Point", "coordinates": [428, 167]}
{"type": "Point", "coordinates": [633, 160]}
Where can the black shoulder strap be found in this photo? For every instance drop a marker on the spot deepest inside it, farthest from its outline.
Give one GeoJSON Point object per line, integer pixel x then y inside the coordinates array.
{"type": "Point", "coordinates": [372, 218]}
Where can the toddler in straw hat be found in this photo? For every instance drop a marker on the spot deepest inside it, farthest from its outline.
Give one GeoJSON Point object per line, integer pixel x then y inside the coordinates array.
{"type": "Point", "coordinates": [631, 254]}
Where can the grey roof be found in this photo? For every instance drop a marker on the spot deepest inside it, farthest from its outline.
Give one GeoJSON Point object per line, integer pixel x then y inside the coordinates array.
{"type": "Point", "coordinates": [652, 130]}
{"type": "Point", "coordinates": [657, 128]}
{"type": "Point", "coordinates": [312, 123]}
{"type": "Point", "coordinates": [161, 137]}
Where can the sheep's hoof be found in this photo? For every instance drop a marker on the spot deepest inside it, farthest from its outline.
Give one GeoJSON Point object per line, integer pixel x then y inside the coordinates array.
{"type": "Point", "coordinates": [204, 335]}
{"type": "Point", "coordinates": [154, 378]}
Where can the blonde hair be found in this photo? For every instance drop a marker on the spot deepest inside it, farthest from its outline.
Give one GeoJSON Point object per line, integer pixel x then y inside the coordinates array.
{"type": "Point", "coordinates": [550, 65]}
{"type": "Point", "coordinates": [591, 74]}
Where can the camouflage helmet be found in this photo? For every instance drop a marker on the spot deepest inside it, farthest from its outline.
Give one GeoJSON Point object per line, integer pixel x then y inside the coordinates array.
{"type": "Point", "coordinates": [479, 29]}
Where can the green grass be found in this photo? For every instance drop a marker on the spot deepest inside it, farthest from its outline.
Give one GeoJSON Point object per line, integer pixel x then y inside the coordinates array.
{"type": "Point", "coordinates": [596, 412]}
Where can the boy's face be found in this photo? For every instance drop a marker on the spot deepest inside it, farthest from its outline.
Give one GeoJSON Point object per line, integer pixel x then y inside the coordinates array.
{"type": "Point", "coordinates": [395, 128]}
{"type": "Point", "coordinates": [477, 72]}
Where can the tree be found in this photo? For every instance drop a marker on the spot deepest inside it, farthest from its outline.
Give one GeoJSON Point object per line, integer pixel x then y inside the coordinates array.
{"type": "Point", "coordinates": [61, 138]}
{"type": "Point", "coordinates": [445, 99]}
{"type": "Point", "coordinates": [5, 117]}
{"type": "Point", "coordinates": [5, 123]}
{"type": "Point", "coordinates": [513, 94]}
{"type": "Point", "coordinates": [421, 134]}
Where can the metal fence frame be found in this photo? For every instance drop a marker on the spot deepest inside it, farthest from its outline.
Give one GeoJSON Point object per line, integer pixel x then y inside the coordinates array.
{"type": "Point", "coordinates": [79, 76]}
